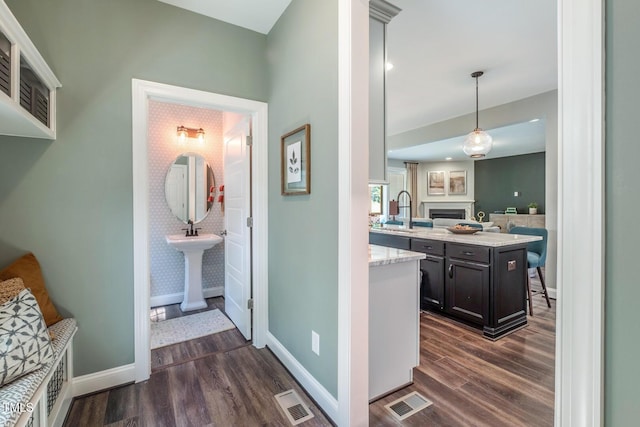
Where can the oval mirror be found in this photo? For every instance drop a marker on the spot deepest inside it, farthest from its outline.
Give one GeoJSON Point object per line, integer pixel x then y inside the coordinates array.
{"type": "Point", "coordinates": [189, 187]}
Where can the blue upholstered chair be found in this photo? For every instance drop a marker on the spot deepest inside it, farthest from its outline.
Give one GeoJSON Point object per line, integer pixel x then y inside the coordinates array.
{"type": "Point", "coordinates": [536, 257]}
{"type": "Point", "coordinates": [394, 222]}
{"type": "Point", "coordinates": [427, 224]}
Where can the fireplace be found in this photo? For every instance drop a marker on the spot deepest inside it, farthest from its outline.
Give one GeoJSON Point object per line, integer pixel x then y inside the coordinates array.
{"type": "Point", "coordinates": [447, 213]}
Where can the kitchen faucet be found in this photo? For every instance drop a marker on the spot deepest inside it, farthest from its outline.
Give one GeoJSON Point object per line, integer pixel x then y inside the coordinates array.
{"type": "Point", "coordinates": [405, 206]}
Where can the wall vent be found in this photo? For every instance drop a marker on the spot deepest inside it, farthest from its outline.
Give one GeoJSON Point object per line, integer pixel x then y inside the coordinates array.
{"type": "Point", "coordinates": [293, 407]}
{"type": "Point", "coordinates": [408, 405]}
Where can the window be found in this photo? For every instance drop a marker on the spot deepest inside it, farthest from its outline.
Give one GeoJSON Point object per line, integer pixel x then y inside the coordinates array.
{"type": "Point", "coordinates": [376, 202]}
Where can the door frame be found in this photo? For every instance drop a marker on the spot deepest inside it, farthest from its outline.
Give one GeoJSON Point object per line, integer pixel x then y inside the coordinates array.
{"type": "Point", "coordinates": [142, 92]}
{"type": "Point", "coordinates": [579, 396]}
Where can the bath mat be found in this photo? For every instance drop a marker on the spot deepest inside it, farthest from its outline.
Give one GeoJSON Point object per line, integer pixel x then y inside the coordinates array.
{"type": "Point", "coordinates": [186, 328]}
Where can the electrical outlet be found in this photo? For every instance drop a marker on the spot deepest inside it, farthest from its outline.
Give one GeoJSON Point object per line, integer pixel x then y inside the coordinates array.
{"type": "Point", "coordinates": [315, 342]}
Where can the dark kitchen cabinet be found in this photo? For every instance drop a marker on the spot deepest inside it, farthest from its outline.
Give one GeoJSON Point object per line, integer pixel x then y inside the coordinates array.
{"type": "Point", "coordinates": [467, 290]}
{"type": "Point", "coordinates": [480, 285]}
{"type": "Point", "coordinates": [431, 273]}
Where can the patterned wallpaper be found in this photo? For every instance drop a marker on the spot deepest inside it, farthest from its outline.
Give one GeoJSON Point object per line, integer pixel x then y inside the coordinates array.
{"type": "Point", "coordinates": [167, 264]}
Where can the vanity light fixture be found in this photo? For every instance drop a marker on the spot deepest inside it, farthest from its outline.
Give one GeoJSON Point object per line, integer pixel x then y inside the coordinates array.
{"type": "Point", "coordinates": [478, 143]}
{"type": "Point", "coordinates": [184, 133]}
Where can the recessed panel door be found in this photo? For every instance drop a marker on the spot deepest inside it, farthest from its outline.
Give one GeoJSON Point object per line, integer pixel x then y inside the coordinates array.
{"type": "Point", "coordinates": [237, 206]}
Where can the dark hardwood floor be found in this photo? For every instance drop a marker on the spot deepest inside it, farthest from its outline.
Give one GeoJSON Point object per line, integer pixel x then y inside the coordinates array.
{"type": "Point", "coordinates": [220, 380]}
{"type": "Point", "coordinates": [217, 380]}
{"type": "Point", "coordinates": [233, 388]}
{"type": "Point", "coordinates": [476, 382]}
{"type": "Point", "coordinates": [176, 354]}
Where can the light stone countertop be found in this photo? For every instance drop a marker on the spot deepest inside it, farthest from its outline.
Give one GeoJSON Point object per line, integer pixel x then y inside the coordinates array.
{"type": "Point", "coordinates": [381, 255]}
{"type": "Point", "coordinates": [481, 238]}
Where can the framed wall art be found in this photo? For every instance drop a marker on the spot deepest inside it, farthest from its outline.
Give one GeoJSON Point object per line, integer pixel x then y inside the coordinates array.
{"type": "Point", "coordinates": [435, 183]}
{"type": "Point", "coordinates": [457, 182]}
{"type": "Point", "coordinates": [295, 153]}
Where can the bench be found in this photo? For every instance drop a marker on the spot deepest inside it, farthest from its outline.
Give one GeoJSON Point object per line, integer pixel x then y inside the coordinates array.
{"type": "Point", "coordinates": [42, 398]}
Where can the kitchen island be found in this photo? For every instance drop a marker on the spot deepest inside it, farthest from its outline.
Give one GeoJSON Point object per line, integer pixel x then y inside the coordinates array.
{"type": "Point", "coordinates": [479, 278]}
{"type": "Point", "coordinates": [394, 318]}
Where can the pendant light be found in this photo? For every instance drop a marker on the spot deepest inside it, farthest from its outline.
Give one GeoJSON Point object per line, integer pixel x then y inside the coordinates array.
{"type": "Point", "coordinates": [478, 143]}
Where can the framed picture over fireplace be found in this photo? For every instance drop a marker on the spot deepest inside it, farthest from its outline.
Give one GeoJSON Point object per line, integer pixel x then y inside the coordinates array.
{"type": "Point", "coordinates": [435, 183]}
{"type": "Point", "coordinates": [457, 182]}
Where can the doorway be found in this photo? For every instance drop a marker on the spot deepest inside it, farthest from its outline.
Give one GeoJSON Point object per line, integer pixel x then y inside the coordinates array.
{"type": "Point", "coordinates": [143, 92]}
{"type": "Point", "coordinates": [579, 361]}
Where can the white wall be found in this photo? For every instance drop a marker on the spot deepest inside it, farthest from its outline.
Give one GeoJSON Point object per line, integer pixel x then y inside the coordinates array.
{"type": "Point", "coordinates": [424, 168]}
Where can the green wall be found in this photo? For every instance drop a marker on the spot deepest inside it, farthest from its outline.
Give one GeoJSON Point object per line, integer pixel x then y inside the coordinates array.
{"type": "Point", "coordinates": [70, 201]}
{"type": "Point", "coordinates": [622, 289]}
{"type": "Point", "coordinates": [497, 179]}
{"type": "Point", "coordinates": [303, 236]}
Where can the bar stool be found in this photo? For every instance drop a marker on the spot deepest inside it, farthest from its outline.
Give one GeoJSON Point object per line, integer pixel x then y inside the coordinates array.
{"type": "Point", "coordinates": [536, 257]}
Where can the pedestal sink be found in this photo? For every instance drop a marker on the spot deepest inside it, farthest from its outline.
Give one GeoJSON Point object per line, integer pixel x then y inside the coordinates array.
{"type": "Point", "coordinates": [193, 247]}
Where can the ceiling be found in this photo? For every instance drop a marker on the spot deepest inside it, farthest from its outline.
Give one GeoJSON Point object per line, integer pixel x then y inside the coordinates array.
{"type": "Point", "coordinates": [434, 46]}
{"type": "Point", "coordinates": [513, 140]}
{"type": "Point", "coordinates": [256, 15]}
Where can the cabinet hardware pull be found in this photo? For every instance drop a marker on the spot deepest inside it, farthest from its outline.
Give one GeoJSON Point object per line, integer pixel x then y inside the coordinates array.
{"type": "Point", "coordinates": [451, 271]}
{"type": "Point", "coordinates": [467, 253]}
{"type": "Point", "coordinates": [428, 247]}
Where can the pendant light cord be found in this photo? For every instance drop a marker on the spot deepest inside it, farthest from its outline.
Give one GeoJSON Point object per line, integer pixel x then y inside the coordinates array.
{"type": "Point", "coordinates": [475, 75]}
{"type": "Point", "coordinates": [477, 102]}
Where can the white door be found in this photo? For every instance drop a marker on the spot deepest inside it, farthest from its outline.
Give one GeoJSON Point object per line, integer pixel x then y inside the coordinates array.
{"type": "Point", "coordinates": [237, 208]}
{"type": "Point", "coordinates": [201, 191]}
{"type": "Point", "coordinates": [176, 190]}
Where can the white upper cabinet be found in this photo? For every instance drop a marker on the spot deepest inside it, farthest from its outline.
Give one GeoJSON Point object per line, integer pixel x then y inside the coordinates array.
{"type": "Point", "coordinates": [27, 84]}
{"type": "Point", "coordinates": [380, 14]}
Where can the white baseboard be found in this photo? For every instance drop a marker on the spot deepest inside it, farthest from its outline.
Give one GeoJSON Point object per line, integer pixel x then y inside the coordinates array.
{"type": "Point", "coordinates": [169, 299]}
{"type": "Point", "coordinates": [327, 402]}
{"type": "Point", "coordinates": [102, 380]}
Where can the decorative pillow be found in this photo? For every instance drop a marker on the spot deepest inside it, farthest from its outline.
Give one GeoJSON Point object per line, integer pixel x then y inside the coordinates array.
{"type": "Point", "coordinates": [10, 289]}
{"type": "Point", "coordinates": [28, 269]}
{"type": "Point", "coordinates": [24, 341]}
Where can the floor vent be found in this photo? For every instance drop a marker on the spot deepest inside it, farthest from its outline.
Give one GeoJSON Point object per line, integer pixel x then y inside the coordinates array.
{"type": "Point", "coordinates": [293, 407]}
{"type": "Point", "coordinates": [406, 406]}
